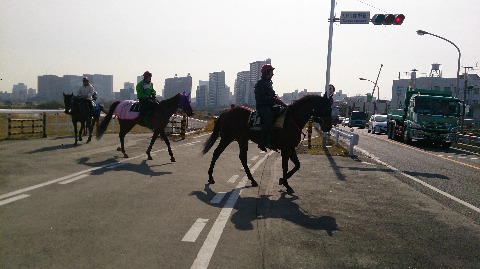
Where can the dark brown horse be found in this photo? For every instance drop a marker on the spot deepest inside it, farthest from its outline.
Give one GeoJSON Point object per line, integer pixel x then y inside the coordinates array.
{"type": "Point", "coordinates": [79, 112]}
{"type": "Point", "coordinates": [158, 120]}
{"type": "Point", "coordinates": [232, 125]}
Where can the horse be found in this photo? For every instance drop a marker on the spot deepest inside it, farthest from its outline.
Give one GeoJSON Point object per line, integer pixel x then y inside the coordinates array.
{"type": "Point", "coordinates": [157, 122]}
{"type": "Point", "coordinates": [233, 125]}
{"type": "Point", "coordinates": [79, 112]}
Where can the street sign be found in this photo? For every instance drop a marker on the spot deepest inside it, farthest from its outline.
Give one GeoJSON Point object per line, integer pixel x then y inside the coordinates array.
{"type": "Point", "coordinates": [355, 17]}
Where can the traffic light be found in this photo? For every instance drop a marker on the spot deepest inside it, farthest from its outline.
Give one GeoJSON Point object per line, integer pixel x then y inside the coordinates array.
{"type": "Point", "coordinates": [388, 19]}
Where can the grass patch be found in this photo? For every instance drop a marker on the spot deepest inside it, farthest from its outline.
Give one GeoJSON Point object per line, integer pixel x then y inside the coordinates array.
{"type": "Point", "coordinates": [317, 148]}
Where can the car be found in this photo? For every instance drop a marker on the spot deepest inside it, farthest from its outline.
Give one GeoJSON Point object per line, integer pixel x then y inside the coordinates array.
{"type": "Point", "coordinates": [346, 121]}
{"type": "Point", "coordinates": [377, 124]}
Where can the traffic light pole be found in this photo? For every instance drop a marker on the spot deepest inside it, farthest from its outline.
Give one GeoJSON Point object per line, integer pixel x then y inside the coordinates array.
{"type": "Point", "coordinates": [329, 54]}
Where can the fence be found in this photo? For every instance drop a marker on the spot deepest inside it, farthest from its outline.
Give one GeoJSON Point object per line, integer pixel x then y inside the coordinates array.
{"type": "Point", "coordinates": [33, 126]}
{"type": "Point", "coordinates": [349, 137]}
{"type": "Point", "coordinates": [58, 123]}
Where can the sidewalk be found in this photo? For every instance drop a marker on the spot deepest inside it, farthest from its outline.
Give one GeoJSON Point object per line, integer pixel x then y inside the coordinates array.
{"type": "Point", "coordinates": [347, 213]}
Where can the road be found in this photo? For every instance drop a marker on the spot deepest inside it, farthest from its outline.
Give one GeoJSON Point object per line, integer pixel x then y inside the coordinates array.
{"type": "Point", "coordinates": [87, 207]}
{"type": "Point", "coordinates": [452, 171]}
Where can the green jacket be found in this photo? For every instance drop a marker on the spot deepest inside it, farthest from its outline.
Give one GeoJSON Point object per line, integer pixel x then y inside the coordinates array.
{"type": "Point", "coordinates": [145, 90]}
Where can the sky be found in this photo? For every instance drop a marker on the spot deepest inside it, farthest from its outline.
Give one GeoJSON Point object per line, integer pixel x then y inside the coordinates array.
{"type": "Point", "coordinates": [124, 38]}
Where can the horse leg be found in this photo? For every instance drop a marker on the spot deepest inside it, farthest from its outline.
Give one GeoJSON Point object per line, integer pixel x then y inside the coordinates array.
{"type": "Point", "coordinates": [290, 155]}
{"type": "Point", "coordinates": [154, 137]}
{"type": "Point", "coordinates": [243, 158]}
{"type": "Point", "coordinates": [220, 148]}
{"type": "Point", "coordinates": [123, 132]}
{"type": "Point", "coordinates": [90, 129]}
{"type": "Point", "coordinates": [167, 142]}
{"type": "Point", "coordinates": [75, 131]}
{"type": "Point", "coordinates": [82, 125]}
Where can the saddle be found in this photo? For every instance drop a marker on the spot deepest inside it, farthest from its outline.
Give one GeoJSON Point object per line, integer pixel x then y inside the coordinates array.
{"type": "Point", "coordinates": [136, 106]}
{"type": "Point", "coordinates": [254, 121]}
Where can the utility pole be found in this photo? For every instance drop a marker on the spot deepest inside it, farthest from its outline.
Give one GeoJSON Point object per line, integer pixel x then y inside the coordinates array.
{"type": "Point", "coordinates": [464, 95]}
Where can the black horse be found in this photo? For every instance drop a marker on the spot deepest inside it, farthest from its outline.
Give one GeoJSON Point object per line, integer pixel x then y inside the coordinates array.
{"type": "Point", "coordinates": [79, 112]}
{"type": "Point", "coordinates": [232, 125]}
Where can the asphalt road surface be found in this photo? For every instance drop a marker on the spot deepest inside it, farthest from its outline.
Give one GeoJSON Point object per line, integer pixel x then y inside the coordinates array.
{"type": "Point", "coordinates": [88, 207]}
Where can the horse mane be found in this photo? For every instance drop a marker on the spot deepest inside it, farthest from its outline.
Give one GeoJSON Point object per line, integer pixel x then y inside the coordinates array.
{"type": "Point", "coordinates": [172, 101]}
{"type": "Point", "coordinates": [302, 100]}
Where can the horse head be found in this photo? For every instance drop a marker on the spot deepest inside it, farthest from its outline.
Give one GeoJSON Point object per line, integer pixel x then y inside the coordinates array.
{"type": "Point", "coordinates": [184, 104]}
{"type": "Point", "coordinates": [67, 100]}
{"type": "Point", "coordinates": [322, 113]}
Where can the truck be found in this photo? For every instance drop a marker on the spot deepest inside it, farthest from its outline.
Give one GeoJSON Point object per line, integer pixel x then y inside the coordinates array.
{"type": "Point", "coordinates": [358, 119]}
{"type": "Point", "coordinates": [430, 116]}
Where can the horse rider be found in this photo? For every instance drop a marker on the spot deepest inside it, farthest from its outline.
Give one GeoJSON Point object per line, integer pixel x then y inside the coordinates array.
{"type": "Point", "coordinates": [146, 94]}
{"type": "Point", "coordinates": [85, 93]}
{"type": "Point", "coordinates": [265, 100]}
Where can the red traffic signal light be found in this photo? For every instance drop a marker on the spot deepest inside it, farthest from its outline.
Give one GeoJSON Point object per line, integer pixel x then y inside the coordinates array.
{"type": "Point", "coordinates": [388, 19]}
{"type": "Point", "coordinates": [398, 19]}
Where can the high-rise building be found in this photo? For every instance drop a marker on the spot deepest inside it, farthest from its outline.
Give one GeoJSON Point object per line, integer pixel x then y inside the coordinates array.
{"type": "Point", "coordinates": [241, 87]}
{"type": "Point", "coordinates": [216, 89]}
{"type": "Point", "coordinates": [177, 85]}
{"type": "Point", "coordinates": [202, 94]}
{"type": "Point", "coordinates": [255, 75]}
{"type": "Point", "coordinates": [50, 88]}
{"type": "Point", "coordinates": [103, 85]}
{"type": "Point", "coordinates": [19, 93]}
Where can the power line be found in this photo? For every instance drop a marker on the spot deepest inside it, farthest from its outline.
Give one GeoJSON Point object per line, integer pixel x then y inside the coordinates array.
{"type": "Point", "coordinates": [371, 6]}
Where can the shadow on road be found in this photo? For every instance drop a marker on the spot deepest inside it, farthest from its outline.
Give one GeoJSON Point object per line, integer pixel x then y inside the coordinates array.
{"type": "Point", "coordinates": [142, 168]}
{"type": "Point", "coordinates": [265, 208]}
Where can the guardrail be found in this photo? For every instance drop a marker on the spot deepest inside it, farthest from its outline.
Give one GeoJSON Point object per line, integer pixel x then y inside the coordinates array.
{"type": "Point", "coordinates": [349, 137]}
{"type": "Point", "coordinates": [469, 142]}
{"type": "Point", "coordinates": [27, 126]}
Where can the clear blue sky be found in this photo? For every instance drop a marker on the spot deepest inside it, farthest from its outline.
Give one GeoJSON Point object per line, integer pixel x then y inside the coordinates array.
{"type": "Point", "coordinates": [124, 38]}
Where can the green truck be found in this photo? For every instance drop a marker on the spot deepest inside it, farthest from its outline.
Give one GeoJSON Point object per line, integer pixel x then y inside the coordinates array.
{"type": "Point", "coordinates": [430, 116]}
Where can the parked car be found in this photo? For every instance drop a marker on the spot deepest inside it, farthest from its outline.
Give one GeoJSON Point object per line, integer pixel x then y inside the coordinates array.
{"type": "Point", "coordinates": [377, 124]}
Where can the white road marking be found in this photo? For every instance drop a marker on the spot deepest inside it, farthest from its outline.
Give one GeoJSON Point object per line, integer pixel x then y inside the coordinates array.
{"type": "Point", "coordinates": [218, 198]}
{"type": "Point", "coordinates": [13, 199]}
{"type": "Point", "coordinates": [114, 165]}
{"type": "Point", "coordinates": [73, 179]}
{"type": "Point", "coordinates": [233, 179]}
{"type": "Point", "coordinates": [208, 247]}
{"type": "Point", "coordinates": [421, 182]}
{"type": "Point", "coordinates": [254, 158]}
{"type": "Point", "coordinates": [195, 230]}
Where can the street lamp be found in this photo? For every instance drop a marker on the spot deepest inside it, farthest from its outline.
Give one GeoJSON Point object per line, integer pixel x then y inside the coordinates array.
{"type": "Point", "coordinates": [421, 32]}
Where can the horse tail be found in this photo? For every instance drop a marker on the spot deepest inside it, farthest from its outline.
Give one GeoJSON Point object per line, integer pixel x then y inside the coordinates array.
{"type": "Point", "coordinates": [102, 127]}
{"type": "Point", "coordinates": [211, 140]}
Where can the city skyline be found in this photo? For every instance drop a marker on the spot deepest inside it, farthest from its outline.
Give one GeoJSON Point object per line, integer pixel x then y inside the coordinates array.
{"type": "Point", "coordinates": [200, 38]}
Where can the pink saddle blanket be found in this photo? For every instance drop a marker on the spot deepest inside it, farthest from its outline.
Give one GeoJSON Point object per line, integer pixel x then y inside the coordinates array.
{"type": "Point", "coordinates": [123, 110]}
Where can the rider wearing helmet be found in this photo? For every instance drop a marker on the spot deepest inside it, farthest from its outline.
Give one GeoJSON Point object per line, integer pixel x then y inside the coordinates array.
{"type": "Point", "coordinates": [85, 93]}
{"type": "Point", "coordinates": [146, 94]}
{"type": "Point", "coordinates": [265, 99]}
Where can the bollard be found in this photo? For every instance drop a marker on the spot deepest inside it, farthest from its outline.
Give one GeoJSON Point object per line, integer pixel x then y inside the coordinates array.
{"type": "Point", "coordinates": [310, 134]}
{"type": "Point", "coordinates": [182, 132]}
{"type": "Point", "coordinates": [44, 124]}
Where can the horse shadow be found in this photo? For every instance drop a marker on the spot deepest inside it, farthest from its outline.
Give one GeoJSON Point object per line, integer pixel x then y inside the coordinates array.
{"type": "Point", "coordinates": [52, 148]}
{"type": "Point", "coordinates": [112, 164]}
{"type": "Point", "coordinates": [283, 208]}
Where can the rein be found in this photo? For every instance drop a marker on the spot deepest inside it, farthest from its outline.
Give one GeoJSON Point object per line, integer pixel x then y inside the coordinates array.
{"type": "Point", "coordinates": [296, 126]}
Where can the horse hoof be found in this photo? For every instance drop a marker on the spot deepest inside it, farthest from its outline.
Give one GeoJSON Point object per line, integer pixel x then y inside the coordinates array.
{"type": "Point", "coordinates": [172, 160]}
{"type": "Point", "coordinates": [119, 149]}
{"type": "Point", "coordinates": [211, 181]}
{"type": "Point", "coordinates": [280, 181]}
{"type": "Point", "coordinates": [150, 158]}
{"type": "Point", "coordinates": [290, 191]}
{"type": "Point", "coordinates": [254, 184]}
{"type": "Point", "coordinates": [125, 155]}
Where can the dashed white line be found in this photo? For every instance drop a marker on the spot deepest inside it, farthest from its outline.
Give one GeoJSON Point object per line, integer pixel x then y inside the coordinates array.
{"type": "Point", "coordinates": [233, 179]}
{"type": "Point", "coordinates": [195, 230]}
{"type": "Point", "coordinates": [208, 247]}
{"type": "Point", "coordinates": [218, 198]}
{"type": "Point", "coordinates": [73, 179]}
{"type": "Point", "coordinates": [13, 199]}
